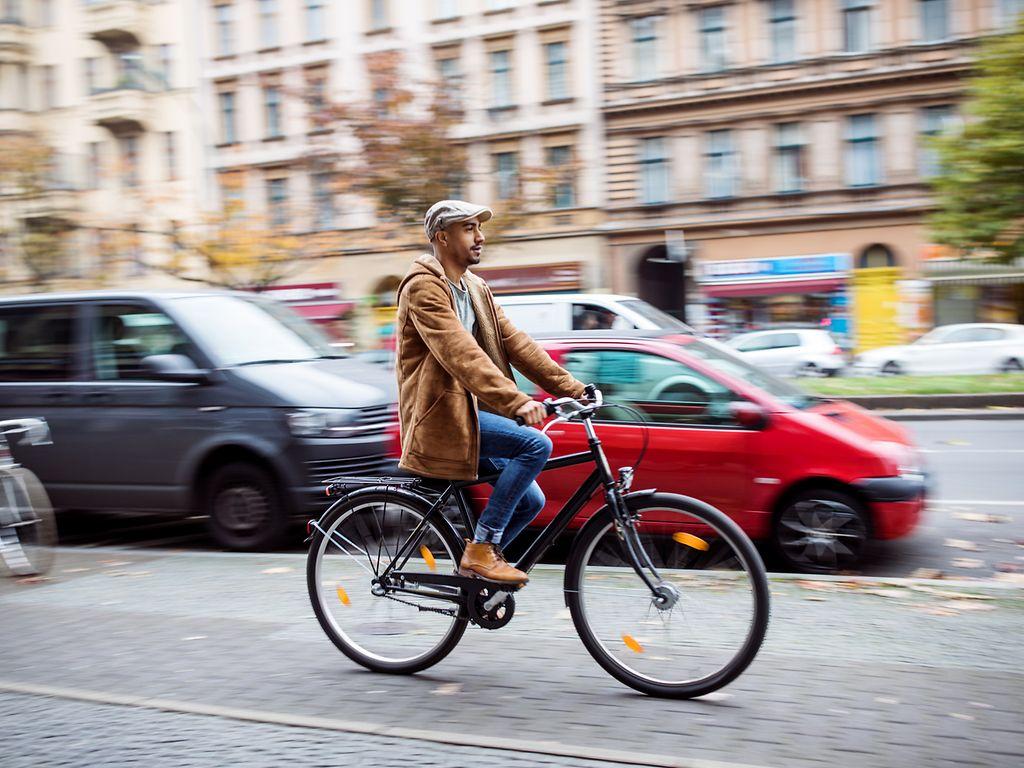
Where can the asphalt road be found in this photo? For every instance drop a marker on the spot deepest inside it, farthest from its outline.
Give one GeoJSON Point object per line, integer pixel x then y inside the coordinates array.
{"type": "Point", "coordinates": [972, 527]}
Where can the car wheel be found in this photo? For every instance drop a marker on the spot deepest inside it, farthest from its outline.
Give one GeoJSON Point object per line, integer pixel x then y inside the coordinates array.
{"type": "Point", "coordinates": [1012, 365]}
{"type": "Point", "coordinates": [892, 368]}
{"type": "Point", "coordinates": [244, 507]}
{"type": "Point", "coordinates": [821, 530]}
{"type": "Point", "coordinates": [809, 369]}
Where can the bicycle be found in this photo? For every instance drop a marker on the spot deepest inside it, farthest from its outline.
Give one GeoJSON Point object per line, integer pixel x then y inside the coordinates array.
{"type": "Point", "coordinates": [28, 530]}
{"type": "Point", "coordinates": [667, 594]}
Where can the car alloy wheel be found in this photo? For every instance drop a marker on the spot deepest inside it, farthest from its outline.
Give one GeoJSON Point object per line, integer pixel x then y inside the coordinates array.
{"type": "Point", "coordinates": [1012, 366]}
{"type": "Point", "coordinates": [891, 369]}
{"type": "Point", "coordinates": [821, 533]}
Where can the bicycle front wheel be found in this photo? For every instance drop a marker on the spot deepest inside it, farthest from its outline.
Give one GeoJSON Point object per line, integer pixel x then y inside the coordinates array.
{"type": "Point", "coordinates": [707, 617]}
{"type": "Point", "coordinates": [28, 529]}
{"type": "Point", "coordinates": [395, 632]}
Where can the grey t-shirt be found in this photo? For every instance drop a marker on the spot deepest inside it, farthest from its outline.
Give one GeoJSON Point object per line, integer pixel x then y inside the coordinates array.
{"type": "Point", "coordinates": [463, 305]}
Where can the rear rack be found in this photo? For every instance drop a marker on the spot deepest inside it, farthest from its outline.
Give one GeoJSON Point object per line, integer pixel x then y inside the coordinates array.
{"type": "Point", "coordinates": [336, 485]}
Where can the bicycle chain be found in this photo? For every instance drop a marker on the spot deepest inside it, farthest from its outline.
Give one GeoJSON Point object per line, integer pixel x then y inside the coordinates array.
{"type": "Point", "coordinates": [443, 611]}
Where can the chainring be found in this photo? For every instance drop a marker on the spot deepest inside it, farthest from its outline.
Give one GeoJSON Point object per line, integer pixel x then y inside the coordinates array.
{"type": "Point", "coordinates": [497, 617]}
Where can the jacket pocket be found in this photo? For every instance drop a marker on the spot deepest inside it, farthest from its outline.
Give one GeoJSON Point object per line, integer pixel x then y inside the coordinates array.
{"type": "Point", "coordinates": [444, 431]}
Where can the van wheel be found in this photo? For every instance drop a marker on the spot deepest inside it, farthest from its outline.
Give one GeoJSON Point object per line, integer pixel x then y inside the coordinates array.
{"type": "Point", "coordinates": [1011, 366]}
{"type": "Point", "coordinates": [821, 531]}
{"type": "Point", "coordinates": [245, 508]}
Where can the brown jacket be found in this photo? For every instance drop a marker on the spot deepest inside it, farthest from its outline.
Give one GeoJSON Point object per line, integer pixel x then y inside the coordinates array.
{"type": "Point", "coordinates": [443, 371]}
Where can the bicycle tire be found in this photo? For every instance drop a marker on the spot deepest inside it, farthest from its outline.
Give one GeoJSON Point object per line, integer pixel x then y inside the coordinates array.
{"type": "Point", "coordinates": [28, 538]}
{"type": "Point", "coordinates": [334, 516]}
{"type": "Point", "coordinates": [735, 538]}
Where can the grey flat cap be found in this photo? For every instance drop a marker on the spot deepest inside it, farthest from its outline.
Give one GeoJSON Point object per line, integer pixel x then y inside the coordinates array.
{"type": "Point", "coordinates": [446, 212]}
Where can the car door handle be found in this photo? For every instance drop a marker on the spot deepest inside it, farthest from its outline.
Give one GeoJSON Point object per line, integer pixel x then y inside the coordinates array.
{"type": "Point", "coordinates": [99, 397]}
{"type": "Point", "coordinates": [56, 397]}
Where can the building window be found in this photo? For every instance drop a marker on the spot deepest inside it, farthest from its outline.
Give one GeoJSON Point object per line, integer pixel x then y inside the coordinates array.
{"type": "Point", "coordinates": [323, 201]}
{"type": "Point", "coordinates": [89, 75]}
{"type": "Point", "coordinates": [93, 168]}
{"type": "Point", "coordinates": [720, 164]}
{"type": "Point", "coordinates": [782, 21]}
{"type": "Point", "coordinates": [316, 97]}
{"type": "Point", "coordinates": [450, 73]}
{"type": "Point", "coordinates": [268, 24]}
{"type": "Point", "coordinates": [227, 117]}
{"type": "Point", "coordinates": [934, 122]}
{"type": "Point", "coordinates": [316, 20]}
{"type": "Point", "coordinates": [272, 111]}
{"type": "Point", "coordinates": [129, 160]}
{"type": "Point", "coordinates": [645, 47]}
{"type": "Point", "coordinates": [277, 202]}
{"type": "Point", "coordinates": [506, 167]}
{"type": "Point", "coordinates": [863, 167]}
{"type": "Point", "coordinates": [49, 87]}
{"type": "Point", "coordinates": [165, 64]}
{"type": "Point", "coordinates": [789, 158]}
{"type": "Point", "coordinates": [556, 56]}
{"type": "Point", "coordinates": [501, 78]}
{"type": "Point", "coordinates": [1010, 11]}
{"type": "Point", "coordinates": [934, 20]}
{"type": "Point", "coordinates": [225, 20]}
{"type": "Point", "coordinates": [653, 171]}
{"type": "Point", "coordinates": [171, 156]}
{"type": "Point", "coordinates": [378, 14]}
{"type": "Point", "coordinates": [559, 162]}
{"type": "Point", "coordinates": [712, 38]}
{"type": "Point", "coordinates": [447, 9]}
{"type": "Point", "coordinates": [856, 26]}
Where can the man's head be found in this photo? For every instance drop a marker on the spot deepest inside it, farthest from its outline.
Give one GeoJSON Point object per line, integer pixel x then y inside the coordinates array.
{"type": "Point", "coordinates": [453, 229]}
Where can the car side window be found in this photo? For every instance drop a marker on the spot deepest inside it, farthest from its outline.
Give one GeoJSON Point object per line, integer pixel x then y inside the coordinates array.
{"type": "Point", "coordinates": [122, 335]}
{"type": "Point", "coordinates": [665, 390]}
{"type": "Point", "coordinates": [961, 335]}
{"type": "Point", "coordinates": [785, 340]}
{"type": "Point", "coordinates": [755, 344]}
{"type": "Point", "coordinates": [989, 334]}
{"type": "Point", "coordinates": [37, 343]}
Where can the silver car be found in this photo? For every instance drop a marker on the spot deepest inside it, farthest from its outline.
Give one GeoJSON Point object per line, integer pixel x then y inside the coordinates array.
{"type": "Point", "coordinates": [792, 351]}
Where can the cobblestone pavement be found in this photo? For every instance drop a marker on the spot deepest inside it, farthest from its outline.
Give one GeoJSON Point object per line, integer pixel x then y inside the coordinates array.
{"type": "Point", "coordinates": [857, 676]}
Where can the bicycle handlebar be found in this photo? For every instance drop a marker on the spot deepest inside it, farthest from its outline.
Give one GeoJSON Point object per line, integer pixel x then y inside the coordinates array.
{"type": "Point", "coordinates": [35, 430]}
{"type": "Point", "coordinates": [567, 407]}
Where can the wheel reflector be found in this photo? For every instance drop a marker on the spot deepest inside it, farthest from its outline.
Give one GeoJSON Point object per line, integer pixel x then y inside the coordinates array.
{"type": "Point", "coordinates": [428, 557]}
{"type": "Point", "coordinates": [690, 540]}
{"type": "Point", "coordinates": [343, 596]}
{"type": "Point", "coordinates": [632, 644]}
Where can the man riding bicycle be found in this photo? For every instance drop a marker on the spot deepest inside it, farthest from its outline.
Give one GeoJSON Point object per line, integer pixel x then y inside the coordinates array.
{"type": "Point", "coordinates": [457, 396]}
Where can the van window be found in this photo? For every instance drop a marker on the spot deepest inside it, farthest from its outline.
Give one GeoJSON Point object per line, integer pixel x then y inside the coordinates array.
{"type": "Point", "coordinates": [656, 316]}
{"type": "Point", "coordinates": [590, 317]}
{"type": "Point", "coordinates": [36, 343]}
{"type": "Point", "coordinates": [122, 335]}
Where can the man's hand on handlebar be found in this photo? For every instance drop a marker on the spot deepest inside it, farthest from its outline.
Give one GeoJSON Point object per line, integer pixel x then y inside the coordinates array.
{"type": "Point", "coordinates": [531, 413]}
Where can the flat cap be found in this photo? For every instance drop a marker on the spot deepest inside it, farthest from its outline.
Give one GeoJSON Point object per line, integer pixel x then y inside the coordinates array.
{"type": "Point", "coordinates": [446, 212]}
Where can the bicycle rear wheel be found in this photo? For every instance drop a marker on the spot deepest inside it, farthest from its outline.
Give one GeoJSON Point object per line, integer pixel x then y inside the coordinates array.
{"type": "Point", "coordinates": [28, 529]}
{"type": "Point", "coordinates": [711, 615]}
{"type": "Point", "coordinates": [395, 632]}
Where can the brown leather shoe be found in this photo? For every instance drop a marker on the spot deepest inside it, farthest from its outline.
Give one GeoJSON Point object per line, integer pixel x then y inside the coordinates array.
{"type": "Point", "coordinates": [483, 560]}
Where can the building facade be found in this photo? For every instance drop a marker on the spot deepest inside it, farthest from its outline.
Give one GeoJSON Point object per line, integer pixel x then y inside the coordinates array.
{"type": "Point", "coordinates": [767, 160]}
{"type": "Point", "coordinates": [109, 87]}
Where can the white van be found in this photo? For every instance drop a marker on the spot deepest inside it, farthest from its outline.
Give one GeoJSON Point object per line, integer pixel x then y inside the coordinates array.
{"type": "Point", "coordinates": [559, 312]}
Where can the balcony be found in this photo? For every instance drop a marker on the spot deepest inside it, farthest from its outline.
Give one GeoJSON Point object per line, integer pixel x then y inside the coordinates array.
{"type": "Point", "coordinates": [14, 39]}
{"type": "Point", "coordinates": [118, 24]}
{"type": "Point", "coordinates": [122, 110]}
{"type": "Point", "coordinates": [15, 121]}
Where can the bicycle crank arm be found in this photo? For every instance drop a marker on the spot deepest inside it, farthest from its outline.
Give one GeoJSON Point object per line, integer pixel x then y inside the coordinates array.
{"type": "Point", "coordinates": [468, 583]}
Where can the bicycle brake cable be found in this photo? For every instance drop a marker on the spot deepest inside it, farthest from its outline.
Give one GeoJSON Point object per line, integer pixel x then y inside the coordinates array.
{"type": "Point", "coordinates": [646, 430]}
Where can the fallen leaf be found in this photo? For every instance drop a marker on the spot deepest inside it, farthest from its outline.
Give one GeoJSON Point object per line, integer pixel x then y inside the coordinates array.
{"type": "Point", "coordinates": [886, 700]}
{"type": "Point", "coordinates": [194, 637]}
{"type": "Point", "coordinates": [955, 442]}
{"type": "Point", "coordinates": [964, 544]}
{"type": "Point", "coordinates": [961, 606]}
{"type": "Point", "coordinates": [75, 570]}
{"type": "Point", "coordinates": [980, 704]}
{"type": "Point", "coordinates": [33, 579]}
{"type": "Point", "coordinates": [278, 569]}
{"type": "Point", "coordinates": [818, 586]}
{"type": "Point", "coordinates": [933, 611]}
{"type": "Point", "coordinates": [950, 593]}
{"type": "Point", "coordinates": [967, 562]}
{"type": "Point", "coordinates": [983, 517]}
{"type": "Point", "coordinates": [883, 592]}
{"type": "Point", "coordinates": [961, 716]}
{"type": "Point", "coordinates": [927, 573]}
{"type": "Point", "coordinates": [448, 689]}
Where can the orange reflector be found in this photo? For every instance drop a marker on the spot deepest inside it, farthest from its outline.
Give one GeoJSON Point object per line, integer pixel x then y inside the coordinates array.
{"type": "Point", "coordinates": [343, 596]}
{"type": "Point", "coordinates": [690, 540]}
{"type": "Point", "coordinates": [632, 644]}
{"type": "Point", "coordinates": [428, 557]}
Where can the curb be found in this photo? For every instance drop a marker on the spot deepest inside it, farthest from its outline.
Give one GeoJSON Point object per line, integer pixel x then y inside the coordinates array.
{"type": "Point", "coordinates": [949, 401]}
{"type": "Point", "coordinates": [951, 414]}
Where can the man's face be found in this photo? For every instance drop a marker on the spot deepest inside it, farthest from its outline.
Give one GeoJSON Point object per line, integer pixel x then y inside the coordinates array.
{"type": "Point", "coordinates": [463, 241]}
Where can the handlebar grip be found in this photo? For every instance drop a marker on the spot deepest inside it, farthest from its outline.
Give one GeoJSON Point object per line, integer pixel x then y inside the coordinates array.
{"type": "Point", "coordinates": [520, 422]}
{"type": "Point", "coordinates": [591, 391]}
{"type": "Point", "coordinates": [547, 407]}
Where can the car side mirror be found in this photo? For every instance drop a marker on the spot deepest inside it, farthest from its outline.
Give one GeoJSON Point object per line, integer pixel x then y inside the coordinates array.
{"type": "Point", "coordinates": [750, 415]}
{"type": "Point", "coordinates": [178, 368]}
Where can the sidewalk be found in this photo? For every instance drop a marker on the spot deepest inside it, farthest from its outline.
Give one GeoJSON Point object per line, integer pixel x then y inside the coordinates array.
{"type": "Point", "coordinates": [852, 673]}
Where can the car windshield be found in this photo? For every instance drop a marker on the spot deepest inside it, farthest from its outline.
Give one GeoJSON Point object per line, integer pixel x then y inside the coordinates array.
{"type": "Point", "coordinates": [722, 358]}
{"type": "Point", "coordinates": [655, 315]}
{"type": "Point", "coordinates": [237, 330]}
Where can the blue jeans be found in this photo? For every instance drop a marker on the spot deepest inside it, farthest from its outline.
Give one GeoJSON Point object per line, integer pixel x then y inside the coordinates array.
{"type": "Point", "coordinates": [519, 453]}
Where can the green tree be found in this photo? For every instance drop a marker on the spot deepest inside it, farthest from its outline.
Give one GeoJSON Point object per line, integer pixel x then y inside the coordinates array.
{"type": "Point", "coordinates": [980, 187]}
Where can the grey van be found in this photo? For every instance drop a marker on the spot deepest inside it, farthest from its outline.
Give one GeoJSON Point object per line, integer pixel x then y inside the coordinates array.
{"type": "Point", "coordinates": [225, 404]}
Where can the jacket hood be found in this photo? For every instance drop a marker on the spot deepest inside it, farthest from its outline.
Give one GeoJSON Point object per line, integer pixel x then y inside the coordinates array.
{"type": "Point", "coordinates": [427, 264]}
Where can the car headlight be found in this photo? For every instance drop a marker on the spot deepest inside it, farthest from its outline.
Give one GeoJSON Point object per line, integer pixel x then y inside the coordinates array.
{"type": "Point", "coordinates": [907, 459]}
{"type": "Point", "coordinates": [326, 422]}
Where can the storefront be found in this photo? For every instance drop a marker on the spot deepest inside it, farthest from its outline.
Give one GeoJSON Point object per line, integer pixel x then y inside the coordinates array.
{"type": "Point", "coordinates": [973, 291]}
{"type": "Point", "coordinates": [750, 294]}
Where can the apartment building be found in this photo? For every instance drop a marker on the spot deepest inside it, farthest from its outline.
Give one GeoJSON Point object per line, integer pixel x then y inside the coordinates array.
{"type": "Point", "coordinates": [523, 72]}
{"type": "Point", "coordinates": [767, 160]}
{"type": "Point", "coordinates": [109, 86]}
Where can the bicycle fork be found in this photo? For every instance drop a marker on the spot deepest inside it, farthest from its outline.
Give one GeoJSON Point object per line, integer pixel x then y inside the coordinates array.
{"type": "Point", "coordinates": [663, 595]}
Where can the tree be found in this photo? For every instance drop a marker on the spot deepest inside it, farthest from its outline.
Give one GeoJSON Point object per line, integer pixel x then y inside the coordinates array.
{"type": "Point", "coordinates": [980, 188]}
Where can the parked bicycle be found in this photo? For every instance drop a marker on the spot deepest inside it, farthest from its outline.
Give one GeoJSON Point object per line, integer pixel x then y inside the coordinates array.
{"type": "Point", "coordinates": [28, 530]}
{"type": "Point", "coordinates": [667, 593]}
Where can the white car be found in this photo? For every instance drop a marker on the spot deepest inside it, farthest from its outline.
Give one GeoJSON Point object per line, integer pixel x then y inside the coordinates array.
{"type": "Point", "coordinates": [559, 312]}
{"type": "Point", "coordinates": [791, 351]}
{"type": "Point", "coordinates": [963, 348]}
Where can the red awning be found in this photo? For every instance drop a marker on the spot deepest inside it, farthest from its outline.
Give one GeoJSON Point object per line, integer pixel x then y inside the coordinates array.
{"type": "Point", "coordinates": [329, 310]}
{"type": "Point", "coordinates": [774, 288]}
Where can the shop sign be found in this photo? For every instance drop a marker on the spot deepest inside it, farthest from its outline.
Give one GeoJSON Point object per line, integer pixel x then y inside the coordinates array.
{"type": "Point", "coordinates": [533, 279]}
{"type": "Point", "coordinates": [743, 270]}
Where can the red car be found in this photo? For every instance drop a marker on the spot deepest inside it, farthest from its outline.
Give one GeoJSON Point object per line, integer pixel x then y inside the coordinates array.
{"type": "Point", "coordinates": [818, 477]}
